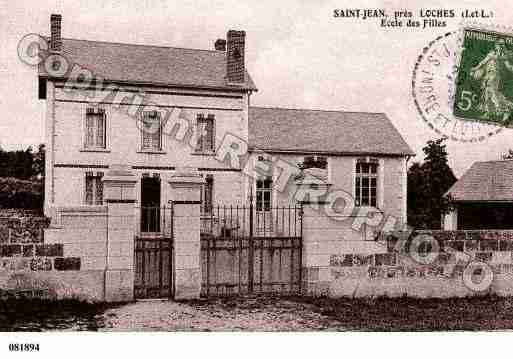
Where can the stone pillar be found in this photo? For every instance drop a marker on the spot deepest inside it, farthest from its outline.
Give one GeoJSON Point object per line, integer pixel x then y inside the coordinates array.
{"type": "Point", "coordinates": [119, 193]}
{"type": "Point", "coordinates": [311, 187]}
{"type": "Point", "coordinates": [185, 191]}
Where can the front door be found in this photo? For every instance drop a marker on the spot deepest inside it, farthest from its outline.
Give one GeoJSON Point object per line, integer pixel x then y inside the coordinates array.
{"type": "Point", "coordinates": [150, 205]}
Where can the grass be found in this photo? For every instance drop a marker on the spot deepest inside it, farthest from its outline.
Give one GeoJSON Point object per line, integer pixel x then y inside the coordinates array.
{"type": "Point", "coordinates": [46, 314]}
{"type": "Point", "coordinates": [395, 314]}
{"type": "Point", "coordinates": [344, 314]}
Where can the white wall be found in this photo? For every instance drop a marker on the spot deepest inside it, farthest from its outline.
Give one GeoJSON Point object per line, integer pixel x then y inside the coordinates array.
{"type": "Point", "coordinates": [392, 180]}
{"type": "Point", "coordinates": [70, 161]}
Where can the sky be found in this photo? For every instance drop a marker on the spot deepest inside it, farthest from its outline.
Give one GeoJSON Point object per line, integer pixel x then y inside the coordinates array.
{"type": "Point", "coordinates": [297, 53]}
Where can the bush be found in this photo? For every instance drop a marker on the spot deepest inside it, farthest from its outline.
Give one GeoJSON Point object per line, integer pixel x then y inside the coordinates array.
{"type": "Point", "coordinates": [23, 194]}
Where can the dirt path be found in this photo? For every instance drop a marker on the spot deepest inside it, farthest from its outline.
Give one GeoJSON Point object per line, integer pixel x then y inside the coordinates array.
{"type": "Point", "coordinates": [309, 314]}
{"type": "Point", "coordinates": [250, 314]}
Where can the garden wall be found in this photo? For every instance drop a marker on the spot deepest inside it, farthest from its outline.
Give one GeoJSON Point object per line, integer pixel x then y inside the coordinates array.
{"type": "Point", "coordinates": [427, 264]}
{"type": "Point", "coordinates": [33, 266]}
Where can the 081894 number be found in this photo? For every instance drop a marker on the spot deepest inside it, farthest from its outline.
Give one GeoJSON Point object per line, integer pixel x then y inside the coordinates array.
{"type": "Point", "coordinates": [23, 347]}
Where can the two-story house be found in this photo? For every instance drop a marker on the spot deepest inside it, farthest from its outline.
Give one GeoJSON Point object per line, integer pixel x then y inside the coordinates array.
{"type": "Point", "coordinates": [192, 100]}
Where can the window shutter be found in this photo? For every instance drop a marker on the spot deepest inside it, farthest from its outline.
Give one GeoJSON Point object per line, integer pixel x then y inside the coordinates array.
{"type": "Point", "coordinates": [100, 130]}
{"type": "Point", "coordinates": [146, 137]}
{"type": "Point", "coordinates": [89, 130]}
{"type": "Point", "coordinates": [209, 133]}
{"type": "Point", "coordinates": [200, 132]}
{"type": "Point", "coordinates": [89, 188]}
{"type": "Point", "coordinates": [155, 133]}
{"type": "Point", "coordinates": [99, 190]}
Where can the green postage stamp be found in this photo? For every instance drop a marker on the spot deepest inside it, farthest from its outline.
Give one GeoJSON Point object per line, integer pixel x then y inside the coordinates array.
{"type": "Point", "coordinates": [484, 85]}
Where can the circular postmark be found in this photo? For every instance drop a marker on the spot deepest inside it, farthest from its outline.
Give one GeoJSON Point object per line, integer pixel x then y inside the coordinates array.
{"type": "Point", "coordinates": [434, 81]}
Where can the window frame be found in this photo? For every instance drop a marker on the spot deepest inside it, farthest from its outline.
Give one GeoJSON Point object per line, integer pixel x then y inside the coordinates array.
{"type": "Point", "coordinates": [96, 183]}
{"type": "Point", "coordinates": [315, 159]}
{"type": "Point", "coordinates": [200, 142]}
{"type": "Point", "coordinates": [155, 115]}
{"type": "Point", "coordinates": [260, 194]}
{"type": "Point", "coordinates": [95, 114]}
{"type": "Point", "coordinates": [371, 177]}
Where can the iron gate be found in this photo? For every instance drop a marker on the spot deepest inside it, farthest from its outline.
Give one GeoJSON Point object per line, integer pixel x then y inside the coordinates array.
{"type": "Point", "coordinates": [245, 249]}
{"type": "Point", "coordinates": [154, 253]}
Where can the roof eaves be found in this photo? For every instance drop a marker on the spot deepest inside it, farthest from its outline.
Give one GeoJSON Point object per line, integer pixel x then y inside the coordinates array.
{"type": "Point", "coordinates": [332, 153]}
{"type": "Point", "coordinates": [162, 84]}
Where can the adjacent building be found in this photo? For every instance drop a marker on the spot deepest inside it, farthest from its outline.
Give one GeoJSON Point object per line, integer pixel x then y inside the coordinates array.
{"type": "Point", "coordinates": [482, 197]}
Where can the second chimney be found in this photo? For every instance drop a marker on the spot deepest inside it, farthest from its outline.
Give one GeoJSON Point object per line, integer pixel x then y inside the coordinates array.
{"type": "Point", "coordinates": [235, 68]}
{"type": "Point", "coordinates": [220, 45]}
{"type": "Point", "coordinates": [55, 33]}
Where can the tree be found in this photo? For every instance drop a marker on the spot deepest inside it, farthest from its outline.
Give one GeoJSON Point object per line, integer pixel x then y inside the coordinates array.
{"type": "Point", "coordinates": [16, 164]}
{"type": "Point", "coordinates": [22, 178]}
{"type": "Point", "coordinates": [39, 161]}
{"type": "Point", "coordinates": [427, 184]}
{"type": "Point", "coordinates": [508, 155]}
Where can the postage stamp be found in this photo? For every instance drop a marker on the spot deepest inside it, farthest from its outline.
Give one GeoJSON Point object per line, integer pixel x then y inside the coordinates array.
{"type": "Point", "coordinates": [451, 91]}
{"type": "Point", "coordinates": [484, 86]}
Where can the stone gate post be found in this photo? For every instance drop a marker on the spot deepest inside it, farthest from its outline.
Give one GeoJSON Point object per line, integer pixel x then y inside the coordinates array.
{"type": "Point", "coordinates": [119, 193]}
{"type": "Point", "coordinates": [185, 191]}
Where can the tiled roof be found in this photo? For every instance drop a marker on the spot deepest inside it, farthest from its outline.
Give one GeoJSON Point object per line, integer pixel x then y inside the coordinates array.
{"type": "Point", "coordinates": [485, 181]}
{"type": "Point", "coordinates": [336, 132]}
{"type": "Point", "coordinates": [156, 65]}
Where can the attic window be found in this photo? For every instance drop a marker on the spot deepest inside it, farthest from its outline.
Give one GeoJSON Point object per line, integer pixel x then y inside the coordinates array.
{"type": "Point", "coordinates": [314, 162]}
{"type": "Point", "coordinates": [263, 158]}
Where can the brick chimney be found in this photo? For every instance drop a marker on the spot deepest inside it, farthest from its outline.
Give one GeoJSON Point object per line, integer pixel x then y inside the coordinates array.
{"type": "Point", "coordinates": [55, 33]}
{"type": "Point", "coordinates": [235, 68]}
{"type": "Point", "coordinates": [220, 45]}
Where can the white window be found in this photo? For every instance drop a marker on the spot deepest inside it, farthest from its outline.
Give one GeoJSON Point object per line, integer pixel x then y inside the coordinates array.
{"type": "Point", "coordinates": [206, 136]}
{"type": "Point", "coordinates": [366, 183]}
{"type": "Point", "coordinates": [207, 194]}
{"type": "Point", "coordinates": [151, 131]}
{"type": "Point", "coordinates": [95, 128]}
{"type": "Point", "coordinates": [264, 188]}
{"type": "Point", "coordinates": [93, 188]}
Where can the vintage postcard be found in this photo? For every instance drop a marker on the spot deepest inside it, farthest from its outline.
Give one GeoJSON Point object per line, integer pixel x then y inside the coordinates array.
{"type": "Point", "coordinates": [252, 167]}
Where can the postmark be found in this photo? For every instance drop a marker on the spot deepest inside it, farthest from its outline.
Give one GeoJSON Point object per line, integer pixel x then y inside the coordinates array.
{"type": "Point", "coordinates": [484, 86]}
{"type": "Point", "coordinates": [434, 84]}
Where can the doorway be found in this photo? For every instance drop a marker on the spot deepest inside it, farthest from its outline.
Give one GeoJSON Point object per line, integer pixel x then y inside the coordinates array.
{"type": "Point", "coordinates": [150, 205]}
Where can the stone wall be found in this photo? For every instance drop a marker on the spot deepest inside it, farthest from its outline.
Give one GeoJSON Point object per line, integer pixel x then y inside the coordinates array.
{"type": "Point", "coordinates": [421, 264]}
{"type": "Point", "coordinates": [28, 265]}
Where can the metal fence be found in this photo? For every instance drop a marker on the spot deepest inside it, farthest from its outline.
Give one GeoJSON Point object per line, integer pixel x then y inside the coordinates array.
{"type": "Point", "coordinates": [154, 221]}
{"type": "Point", "coordinates": [244, 250]}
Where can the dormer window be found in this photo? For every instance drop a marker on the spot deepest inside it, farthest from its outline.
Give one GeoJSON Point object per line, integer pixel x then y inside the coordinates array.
{"type": "Point", "coordinates": [95, 128]}
{"type": "Point", "coordinates": [320, 162]}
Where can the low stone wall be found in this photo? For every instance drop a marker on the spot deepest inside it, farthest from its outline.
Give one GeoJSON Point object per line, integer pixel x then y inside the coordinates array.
{"type": "Point", "coordinates": [32, 266]}
{"type": "Point", "coordinates": [16, 229]}
{"type": "Point", "coordinates": [421, 264]}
